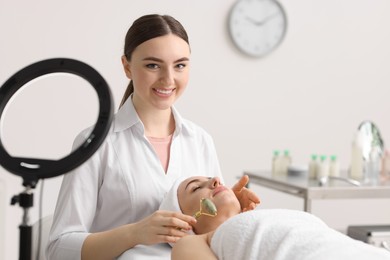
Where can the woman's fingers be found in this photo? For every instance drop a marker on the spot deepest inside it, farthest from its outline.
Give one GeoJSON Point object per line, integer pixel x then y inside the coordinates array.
{"type": "Point", "coordinates": [178, 220]}
{"type": "Point", "coordinates": [164, 226]}
{"type": "Point", "coordinates": [241, 183]}
{"type": "Point", "coordinates": [247, 198]}
{"type": "Point", "coordinates": [174, 226]}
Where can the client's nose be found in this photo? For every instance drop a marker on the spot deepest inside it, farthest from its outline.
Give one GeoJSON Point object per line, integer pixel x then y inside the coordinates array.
{"type": "Point", "coordinates": [215, 182]}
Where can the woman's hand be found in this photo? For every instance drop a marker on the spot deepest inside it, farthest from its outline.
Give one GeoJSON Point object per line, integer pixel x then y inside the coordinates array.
{"type": "Point", "coordinates": [248, 199]}
{"type": "Point", "coordinates": [163, 227]}
{"type": "Point", "coordinates": [160, 227]}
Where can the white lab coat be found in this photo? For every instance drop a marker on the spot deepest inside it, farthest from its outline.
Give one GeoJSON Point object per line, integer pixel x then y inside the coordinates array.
{"type": "Point", "coordinates": [124, 181]}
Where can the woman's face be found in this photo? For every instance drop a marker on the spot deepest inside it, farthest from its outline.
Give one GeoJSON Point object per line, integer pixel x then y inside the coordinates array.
{"type": "Point", "coordinates": [193, 189]}
{"type": "Point", "coordinates": [159, 69]}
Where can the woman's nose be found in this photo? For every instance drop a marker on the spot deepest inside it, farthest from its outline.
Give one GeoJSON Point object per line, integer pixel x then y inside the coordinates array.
{"type": "Point", "coordinates": [167, 77]}
{"type": "Point", "coordinates": [215, 182]}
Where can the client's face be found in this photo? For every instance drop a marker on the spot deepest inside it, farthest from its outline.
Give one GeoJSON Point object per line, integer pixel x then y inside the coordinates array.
{"type": "Point", "coordinates": [193, 189]}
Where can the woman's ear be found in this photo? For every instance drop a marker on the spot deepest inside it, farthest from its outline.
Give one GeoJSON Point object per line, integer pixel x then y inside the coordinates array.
{"type": "Point", "coordinates": [126, 67]}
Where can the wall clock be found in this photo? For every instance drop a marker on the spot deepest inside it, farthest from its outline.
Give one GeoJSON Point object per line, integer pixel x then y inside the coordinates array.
{"type": "Point", "coordinates": [257, 27]}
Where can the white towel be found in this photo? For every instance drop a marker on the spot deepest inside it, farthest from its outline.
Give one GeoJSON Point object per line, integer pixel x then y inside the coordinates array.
{"type": "Point", "coordinates": [171, 201]}
{"type": "Point", "coordinates": [280, 234]}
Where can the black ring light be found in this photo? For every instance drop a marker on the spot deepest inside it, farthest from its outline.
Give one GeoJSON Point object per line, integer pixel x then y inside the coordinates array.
{"type": "Point", "coordinates": [31, 170]}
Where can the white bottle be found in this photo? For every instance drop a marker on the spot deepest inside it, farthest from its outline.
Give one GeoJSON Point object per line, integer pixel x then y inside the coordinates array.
{"type": "Point", "coordinates": [373, 168]}
{"type": "Point", "coordinates": [356, 168]}
{"type": "Point", "coordinates": [334, 168]}
{"type": "Point", "coordinates": [313, 167]}
{"type": "Point", "coordinates": [276, 160]}
{"type": "Point", "coordinates": [385, 165]}
{"type": "Point", "coordinates": [286, 162]}
{"type": "Point", "coordinates": [323, 170]}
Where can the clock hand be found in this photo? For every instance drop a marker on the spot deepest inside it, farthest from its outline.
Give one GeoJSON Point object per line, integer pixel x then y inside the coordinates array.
{"type": "Point", "coordinates": [269, 18]}
{"type": "Point", "coordinates": [251, 20]}
{"type": "Point", "coordinates": [262, 22]}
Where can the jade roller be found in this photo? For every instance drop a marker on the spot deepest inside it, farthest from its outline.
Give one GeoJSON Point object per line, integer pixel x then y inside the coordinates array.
{"type": "Point", "coordinates": [206, 207]}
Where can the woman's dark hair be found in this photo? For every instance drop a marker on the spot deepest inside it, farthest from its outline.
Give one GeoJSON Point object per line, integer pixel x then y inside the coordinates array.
{"type": "Point", "coordinates": [145, 28]}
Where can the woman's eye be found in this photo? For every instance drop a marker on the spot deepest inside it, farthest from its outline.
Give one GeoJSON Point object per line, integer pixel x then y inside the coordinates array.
{"type": "Point", "coordinates": [152, 66]}
{"type": "Point", "coordinates": [195, 188]}
{"type": "Point", "coordinates": [181, 66]}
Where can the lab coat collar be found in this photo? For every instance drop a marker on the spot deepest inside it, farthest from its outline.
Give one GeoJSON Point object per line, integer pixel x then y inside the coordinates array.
{"type": "Point", "coordinates": [127, 117]}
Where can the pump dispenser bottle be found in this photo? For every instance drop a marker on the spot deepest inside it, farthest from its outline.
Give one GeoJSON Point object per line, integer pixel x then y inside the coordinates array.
{"type": "Point", "coordinates": [276, 163]}
{"type": "Point", "coordinates": [286, 161]}
{"type": "Point", "coordinates": [356, 168]}
{"type": "Point", "coordinates": [324, 167]}
{"type": "Point", "coordinates": [313, 167]}
{"type": "Point", "coordinates": [385, 167]}
{"type": "Point", "coordinates": [334, 168]}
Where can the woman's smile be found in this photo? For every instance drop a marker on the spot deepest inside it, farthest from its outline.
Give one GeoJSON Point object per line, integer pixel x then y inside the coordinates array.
{"type": "Point", "coordinates": [164, 92]}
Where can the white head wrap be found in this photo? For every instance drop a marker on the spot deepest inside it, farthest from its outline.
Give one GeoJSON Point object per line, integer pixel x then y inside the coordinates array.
{"type": "Point", "coordinates": [171, 200]}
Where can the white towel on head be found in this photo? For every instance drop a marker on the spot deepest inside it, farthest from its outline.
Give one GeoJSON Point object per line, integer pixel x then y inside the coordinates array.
{"type": "Point", "coordinates": [171, 200]}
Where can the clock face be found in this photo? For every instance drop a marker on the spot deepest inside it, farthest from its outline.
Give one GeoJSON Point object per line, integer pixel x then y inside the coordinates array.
{"type": "Point", "coordinates": [257, 26]}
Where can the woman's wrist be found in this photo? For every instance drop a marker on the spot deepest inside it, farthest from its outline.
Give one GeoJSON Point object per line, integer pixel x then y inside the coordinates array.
{"type": "Point", "coordinates": [131, 235]}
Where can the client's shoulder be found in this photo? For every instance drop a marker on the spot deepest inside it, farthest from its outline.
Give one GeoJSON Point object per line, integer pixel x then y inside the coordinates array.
{"type": "Point", "coordinates": [192, 247]}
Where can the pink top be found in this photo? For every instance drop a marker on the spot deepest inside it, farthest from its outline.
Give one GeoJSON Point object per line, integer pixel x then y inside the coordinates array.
{"type": "Point", "coordinates": [162, 147]}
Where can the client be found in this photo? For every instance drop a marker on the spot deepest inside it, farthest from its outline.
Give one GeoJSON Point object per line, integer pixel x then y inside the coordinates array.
{"type": "Point", "coordinates": [223, 232]}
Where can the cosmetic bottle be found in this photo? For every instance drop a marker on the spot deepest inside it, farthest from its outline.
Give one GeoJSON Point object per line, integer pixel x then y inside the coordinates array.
{"type": "Point", "coordinates": [334, 168]}
{"type": "Point", "coordinates": [372, 170]}
{"type": "Point", "coordinates": [286, 162]}
{"type": "Point", "coordinates": [313, 167]}
{"type": "Point", "coordinates": [385, 165]}
{"type": "Point", "coordinates": [323, 170]}
{"type": "Point", "coordinates": [356, 167]}
{"type": "Point", "coordinates": [276, 163]}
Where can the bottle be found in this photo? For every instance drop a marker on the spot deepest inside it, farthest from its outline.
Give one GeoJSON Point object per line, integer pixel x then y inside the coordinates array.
{"type": "Point", "coordinates": [385, 167]}
{"type": "Point", "coordinates": [334, 168]}
{"type": "Point", "coordinates": [356, 168]}
{"type": "Point", "coordinates": [286, 162]}
{"type": "Point", "coordinates": [276, 163]}
{"type": "Point", "coordinates": [323, 170]}
{"type": "Point", "coordinates": [373, 168]}
{"type": "Point", "coordinates": [313, 167]}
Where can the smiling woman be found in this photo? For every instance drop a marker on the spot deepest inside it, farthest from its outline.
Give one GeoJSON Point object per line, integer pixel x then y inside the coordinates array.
{"type": "Point", "coordinates": [147, 148]}
{"type": "Point", "coordinates": [159, 70]}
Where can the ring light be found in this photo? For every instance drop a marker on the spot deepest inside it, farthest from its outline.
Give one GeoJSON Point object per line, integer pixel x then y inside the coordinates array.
{"type": "Point", "coordinates": [30, 169]}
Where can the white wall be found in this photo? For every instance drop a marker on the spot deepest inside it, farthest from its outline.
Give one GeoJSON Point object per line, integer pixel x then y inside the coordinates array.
{"type": "Point", "coordinates": [309, 96]}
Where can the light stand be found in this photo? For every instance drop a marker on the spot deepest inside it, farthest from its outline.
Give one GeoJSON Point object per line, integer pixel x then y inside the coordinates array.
{"type": "Point", "coordinates": [25, 200]}
{"type": "Point", "coordinates": [30, 169]}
